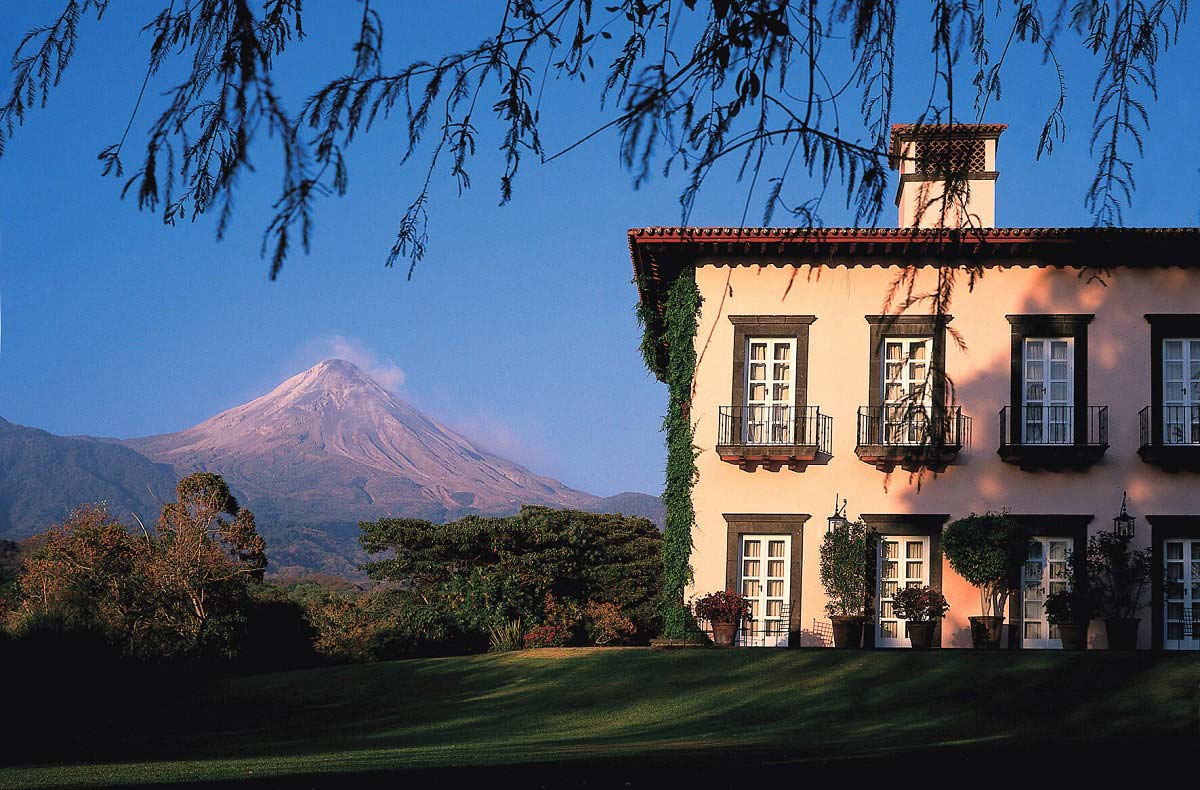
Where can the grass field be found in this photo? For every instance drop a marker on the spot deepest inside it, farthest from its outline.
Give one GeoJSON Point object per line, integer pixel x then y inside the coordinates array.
{"type": "Point", "coordinates": [580, 708]}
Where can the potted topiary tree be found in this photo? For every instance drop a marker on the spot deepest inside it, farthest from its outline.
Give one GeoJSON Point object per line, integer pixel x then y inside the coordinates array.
{"type": "Point", "coordinates": [1119, 577]}
{"type": "Point", "coordinates": [922, 608]}
{"type": "Point", "coordinates": [844, 577]}
{"type": "Point", "coordinates": [1070, 611]}
{"type": "Point", "coordinates": [724, 611]}
{"type": "Point", "coordinates": [987, 551]}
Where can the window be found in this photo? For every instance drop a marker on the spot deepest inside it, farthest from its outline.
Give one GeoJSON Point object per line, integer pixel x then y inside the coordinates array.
{"type": "Point", "coordinates": [906, 553]}
{"type": "Point", "coordinates": [907, 397]}
{"type": "Point", "coordinates": [1181, 390]}
{"type": "Point", "coordinates": [763, 564]}
{"type": "Point", "coordinates": [770, 390]}
{"type": "Point", "coordinates": [907, 380]}
{"type": "Point", "coordinates": [1045, 571]}
{"type": "Point", "coordinates": [1182, 594]}
{"type": "Point", "coordinates": [902, 562]}
{"type": "Point", "coordinates": [1049, 391]}
{"type": "Point", "coordinates": [765, 583]}
{"type": "Point", "coordinates": [770, 377]}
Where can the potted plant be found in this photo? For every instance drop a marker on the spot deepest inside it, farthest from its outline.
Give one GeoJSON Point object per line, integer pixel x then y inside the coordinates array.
{"type": "Point", "coordinates": [844, 577]}
{"type": "Point", "coordinates": [987, 551]}
{"type": "Point", "coordinates": [1070, 611]}
{"type": "Point", "coordinates": [922, 608]}
{"type": "Point", "coordinates": [1120, 579]}
{"type": "Point", "coordinates": [724, 611]}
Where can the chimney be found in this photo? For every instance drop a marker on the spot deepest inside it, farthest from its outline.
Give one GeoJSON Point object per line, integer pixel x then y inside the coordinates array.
{"type": "Point", "coordinates": [930, 155]}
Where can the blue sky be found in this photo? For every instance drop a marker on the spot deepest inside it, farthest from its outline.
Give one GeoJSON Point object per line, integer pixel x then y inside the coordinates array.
{"type": "Point", "coordinates": [517, 329]}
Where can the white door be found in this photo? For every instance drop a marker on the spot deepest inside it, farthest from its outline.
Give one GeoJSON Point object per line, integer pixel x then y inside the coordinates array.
{"type": "Point", "coordinates": [1181, 391]}
{"type": "Point", "coordinates": [770, 380]}
{"type": "Point", "coordinates": [1046, 570]}
{"type": "Point", "coordinates": [902, 562]}
{"type": "Point", "coordinates": [1049, 391]}
{"type": "Point", "coordinates": [1182, 593]}
{"type": "Point", "coordinates": [766, 582]}
{"type": "Point", "coordinates": [907, 391]}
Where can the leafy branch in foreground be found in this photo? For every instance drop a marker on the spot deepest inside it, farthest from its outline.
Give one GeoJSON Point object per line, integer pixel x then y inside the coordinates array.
{"type": "Point", "coordinates": [686, 84]}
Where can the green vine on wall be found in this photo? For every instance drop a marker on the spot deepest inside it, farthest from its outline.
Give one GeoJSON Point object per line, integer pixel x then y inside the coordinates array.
{"type": "Point", "coordinates": [680, 321]}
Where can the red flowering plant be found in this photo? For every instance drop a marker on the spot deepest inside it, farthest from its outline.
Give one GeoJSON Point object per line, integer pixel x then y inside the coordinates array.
{"type": "Point", "coordinates": [722, 607]}
{"type": "Point", "coordinates": [920, 604]}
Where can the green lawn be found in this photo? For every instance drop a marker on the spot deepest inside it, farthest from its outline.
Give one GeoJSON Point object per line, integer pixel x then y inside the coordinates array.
{"type": "Point", "coordinates": [549, 706]}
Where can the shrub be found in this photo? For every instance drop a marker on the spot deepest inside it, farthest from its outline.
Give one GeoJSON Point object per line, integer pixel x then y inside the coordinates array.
{"type": "Point", "coordinates": [1119, 576]}
{"type": "Point", "coordinates": [722, 607]}
{"type": "Point", "coordinates": [505, 637]}
{"type": "Point", "coordinates": [986, 551]}
{"type": "Point", "coordinates": [548, 635]}
{"type": "Point", "coordinates": [606, 624]}
{"type": "Point", "coordinates": [920, 604]}
{"type": "Point", "coordinates": [844, 553]}
{"type": "Point", "coordinates": [1069, 607]}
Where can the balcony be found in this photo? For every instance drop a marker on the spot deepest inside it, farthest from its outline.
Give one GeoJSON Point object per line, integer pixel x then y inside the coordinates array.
{"type": "Point", "coordinates": [1053, 438]}
{"type": "Point", "coordinates": [773, 436]}
{"type": "Point", "coordinates": [908, 437]}
{"type": "Point", "coordinates": [1171, 437]}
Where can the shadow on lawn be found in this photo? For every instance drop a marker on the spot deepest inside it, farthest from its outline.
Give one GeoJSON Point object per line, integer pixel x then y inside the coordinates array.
{"type": "Point", "coordinates": [657, 709]}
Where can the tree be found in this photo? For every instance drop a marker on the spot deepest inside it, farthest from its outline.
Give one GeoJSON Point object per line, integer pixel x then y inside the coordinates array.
{"type": "Point", "coordinates": [482, 572]}
{"type": "Point", "coordinates": [686, 85]}
{"type": "Point", "coordinates": [181, 590]}
{"type": "Point", "coordinates": [987, 551]}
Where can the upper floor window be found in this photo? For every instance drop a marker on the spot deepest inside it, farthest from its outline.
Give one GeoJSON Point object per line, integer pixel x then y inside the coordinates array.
{"type": "Point", "coordinates": [907, 396]}
{"type": "Point", "coordinates": [1170, 425]}
{"type": "Point", "coordinates": [770, 389]}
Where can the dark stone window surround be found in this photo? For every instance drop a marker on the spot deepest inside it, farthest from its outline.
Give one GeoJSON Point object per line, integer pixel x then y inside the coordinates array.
{"type": "Point", "coordinates": [1050, 525]}
{"type": "Point", "coordinates": [884, 326]}
{"type": "Point", "coordinates": [904, 525]}
{"type": "Point", "coordinates": [1162, 327]}
{"type": "Point", "coordinates": [738, 524]}
{"type": "Point", "coordinates": [1060, 325]}
{"type": "Point", "coordinates": [1162, 528]}
{"type": "Point", "coordinates": [771, 326]}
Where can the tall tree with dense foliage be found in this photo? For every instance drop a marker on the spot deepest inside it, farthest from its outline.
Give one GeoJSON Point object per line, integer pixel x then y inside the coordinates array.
{"type": "Point", "coordinates": [179, 590]}
{"type": "Point", "coordinates": [784, 91]}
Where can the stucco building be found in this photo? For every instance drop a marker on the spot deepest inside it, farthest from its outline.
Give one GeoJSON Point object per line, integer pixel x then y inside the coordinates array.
{"type": "Point", "coordinates": [1064, 372]}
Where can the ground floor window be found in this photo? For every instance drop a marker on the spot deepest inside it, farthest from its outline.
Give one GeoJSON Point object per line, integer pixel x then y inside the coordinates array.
{"type": "Point", "coordinates": [765, 581]}
{"type": "Point", "coordinates": [902, 562]}
{"type": "Point", "coordinates": [1181, 600]}
{"type": "Point", "coordinates": [1046, 570]}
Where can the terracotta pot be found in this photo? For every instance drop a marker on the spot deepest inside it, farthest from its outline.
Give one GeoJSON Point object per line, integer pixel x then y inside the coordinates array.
{"type": "Point", "coordinates": [1073, 635]}
{"type": "Point", "coordinates": [920, 635]}
{"type": "Point", "coordinates": [985, 632]}
{"type": "Point", "coordinates": [847, 632]}
{"type": "Point", "coordinates": [1122, 633]}
{"type": "Point", "coordinates": [723, 634]}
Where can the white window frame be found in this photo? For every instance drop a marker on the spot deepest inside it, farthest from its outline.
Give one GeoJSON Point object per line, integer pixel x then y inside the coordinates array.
{"type": "Point", "coordinates": [1188, 568]}
{"type": "Point", "coordinates": [770, 420]}
{"type": "Point", "coordinates": [769, 593]}
{"type": "Point", "coordinates": [1045, 419]}
{"type": "Point", "coordinates": [899, 419]}
{"type": "Point", "coordinates": [904, 578]}
{"type": "Point", "coordinates": [1181, 415]}
{"type": "Point", "coordinates": [1054, 574]}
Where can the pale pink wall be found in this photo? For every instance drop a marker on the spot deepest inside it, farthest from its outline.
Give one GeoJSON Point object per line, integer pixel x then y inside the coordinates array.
{"type": "Point", "coordinates": [840, 297]}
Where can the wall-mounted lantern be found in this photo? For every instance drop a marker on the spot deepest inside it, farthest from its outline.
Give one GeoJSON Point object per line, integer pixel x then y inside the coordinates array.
{"type": "Point", "coordinates": [1123, 524]}
{"type": "Point", "coordinates": [838, 520]}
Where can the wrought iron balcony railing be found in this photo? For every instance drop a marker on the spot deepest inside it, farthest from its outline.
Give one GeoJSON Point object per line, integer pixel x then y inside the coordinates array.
{"type": "Point", "coordinates": [1053, 437]}
{"type": "Point", "coordinates": [1170, 436]}
{"type": "Point", "coordinates": [912, 426]}
{"type": "Point", "coordinates": [782, 426]}
{"type": "Point", "coordinates": [1054, 426]}
{"type": "Point", "coordinates": [912, 436]}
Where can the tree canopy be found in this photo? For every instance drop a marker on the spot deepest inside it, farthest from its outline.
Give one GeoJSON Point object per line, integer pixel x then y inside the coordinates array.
{"type": "Point", "coordinates": [776, 88]}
